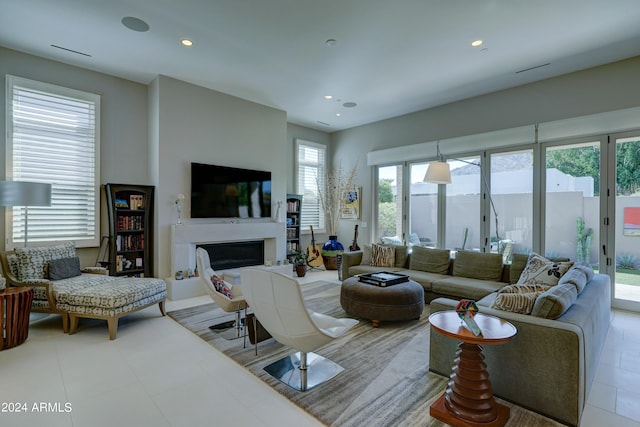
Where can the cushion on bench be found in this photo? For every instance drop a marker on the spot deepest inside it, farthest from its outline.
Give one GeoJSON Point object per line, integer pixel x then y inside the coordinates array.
{"type": "Point", "coordinates": [33, 263]}
{"type": "Point", "coordinates": [106, 294]}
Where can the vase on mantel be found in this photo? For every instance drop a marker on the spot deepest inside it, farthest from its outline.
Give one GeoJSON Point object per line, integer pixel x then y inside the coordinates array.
{"type": "Point", "coordinates": [331, 251]}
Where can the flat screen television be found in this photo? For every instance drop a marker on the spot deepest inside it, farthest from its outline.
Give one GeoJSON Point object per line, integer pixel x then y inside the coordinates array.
{"type": "Point", "coordinates": [227, 192]}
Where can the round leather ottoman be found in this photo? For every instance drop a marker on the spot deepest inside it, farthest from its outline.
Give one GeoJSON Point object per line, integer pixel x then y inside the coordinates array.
{"type": "Point", "coordinates": [404, 301]}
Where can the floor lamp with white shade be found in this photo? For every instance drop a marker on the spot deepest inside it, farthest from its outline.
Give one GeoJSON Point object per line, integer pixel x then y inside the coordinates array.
{"type": "Point", "coordinates": [439, 172]}
{"type": "Point", "coordinates": [20, 193]}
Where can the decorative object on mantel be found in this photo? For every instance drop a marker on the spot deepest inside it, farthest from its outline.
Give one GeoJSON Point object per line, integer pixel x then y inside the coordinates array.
{"type": "Point", "coordinates": [278, 216]}
{"type": "Point", "coordinates": [179, 205]}
{"type": "Point", "coordinates": [331, 193]}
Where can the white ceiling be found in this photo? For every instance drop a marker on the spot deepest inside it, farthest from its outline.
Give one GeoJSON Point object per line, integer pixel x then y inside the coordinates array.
{"type": "Point", "coordinates": [391, 57]}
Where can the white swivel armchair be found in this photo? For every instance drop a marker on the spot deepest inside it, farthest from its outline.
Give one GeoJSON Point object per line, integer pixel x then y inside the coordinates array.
{"type": "Point", "coordinates": [237, 303]}
{"type": "Point", "coordinates": [276, 300]}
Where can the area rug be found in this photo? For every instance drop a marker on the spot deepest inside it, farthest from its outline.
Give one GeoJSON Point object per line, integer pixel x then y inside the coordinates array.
{"type": "Point", "coordinates": [386, 381]}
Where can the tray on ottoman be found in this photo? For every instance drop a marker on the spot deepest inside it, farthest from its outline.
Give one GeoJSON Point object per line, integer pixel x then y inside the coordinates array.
{"type": "Point", "coordinates": [383, 278]}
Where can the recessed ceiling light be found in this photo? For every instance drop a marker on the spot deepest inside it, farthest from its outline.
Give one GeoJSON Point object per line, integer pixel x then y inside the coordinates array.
{"type": "Point", "coordinates": [328, 97]}
{"type": "Point", "coordinates": [476, 43]}
{"type": "Point", "coordinates": [349, 104]}
{"type": "Point", "coordinates": [331, 42]}
{"type": "Point", "coordinates": [186, 42]}
{"type": "Point", "coordinates": [338, 114]}
{"type": "Point", "coordinates": [135, 24]}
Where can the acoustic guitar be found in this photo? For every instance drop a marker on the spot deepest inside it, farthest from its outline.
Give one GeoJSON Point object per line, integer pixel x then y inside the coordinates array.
{"type": "Point", "coordinates": [315, 258]}
{"type": "Point", "coordinates": [354, 246]}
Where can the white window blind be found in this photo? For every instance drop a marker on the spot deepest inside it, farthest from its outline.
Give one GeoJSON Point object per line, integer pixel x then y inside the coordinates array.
{"type": "Point", "coordinates": [311, 167]}
{"type": "Point", "coordinates": [53, 137]}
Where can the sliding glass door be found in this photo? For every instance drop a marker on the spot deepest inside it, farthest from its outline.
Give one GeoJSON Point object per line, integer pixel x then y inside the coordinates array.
{"type": "Point", "coordinates": [626, 239]}
{"type": "Point", "coordinates": [572, 201]}
{"type": "Point", "coordinates": [463, 222]}
{"type": "Point", "coordinates": [512, 199]}
{"type": "Point", "coordinates": [423, 208]}
{"type": "Point", "coordinates": [390, 206]}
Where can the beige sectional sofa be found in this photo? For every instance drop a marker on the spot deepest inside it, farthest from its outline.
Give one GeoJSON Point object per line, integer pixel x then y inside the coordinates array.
{"type": "Point", "coordinates": [550, 364]}
{"type": "Point", "coordinates": [472, 275]}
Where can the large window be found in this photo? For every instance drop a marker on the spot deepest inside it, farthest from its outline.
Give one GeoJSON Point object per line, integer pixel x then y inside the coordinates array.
{"type": "Point", "coordinates": [53, 137]}
{"type": "Point", "coordinates": [573, 201]}
{"type": "Point", "coordinates": [512, 197]}
{"type": "Point", "coordinates": [423, 208]}
{"type": "Point", "coordinates": [311, 159]}
{"type": "Point", "coordinates": [463, 223]}
{"type": "Point", "coordinates": [390, 204]}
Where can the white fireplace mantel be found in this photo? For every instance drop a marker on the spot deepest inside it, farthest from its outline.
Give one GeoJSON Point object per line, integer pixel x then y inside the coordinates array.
{"type": "Point", "coordinates": [185, 237]}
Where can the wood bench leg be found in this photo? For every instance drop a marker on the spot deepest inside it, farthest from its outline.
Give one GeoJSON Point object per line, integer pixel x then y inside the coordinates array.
{"type": "Point", "coordinates": [73, 320]}
{"type": "Point", "coordinates": [113, 327]}
{"type": "Point", "coordinates": [161, 304]}
{"type": "Point", "coordinates": [65, 322]}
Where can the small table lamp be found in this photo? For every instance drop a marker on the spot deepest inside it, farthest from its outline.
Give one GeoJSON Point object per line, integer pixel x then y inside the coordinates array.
{"type": "Point", "coordinates": [19, 193]}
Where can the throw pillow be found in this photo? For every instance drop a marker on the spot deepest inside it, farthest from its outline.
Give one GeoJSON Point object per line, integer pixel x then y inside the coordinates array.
{"type": "Point", "coordinates": [523, 289]}
{"type": "Point", "coordinates": [366, 255]}
{"type": "Point", "coordinates": [478, 265]}
{"type": "Point", "coordinates": [221, 286]}
{"type": "Point", "coordinates": [554, 302]}
{"type": "Point", "coordinates": [516, 303]}
{"type": "Point", "coordinates": [518, 263]}
{"type": "Point", "coordinates": [401, 256]}
{"type": "Point", "coordinates": [383, 256]}
{"type": "Point", "coordinates": [64, 268]}
{"type": "Point", "coordinates": [542, 271]}
{"type": "Point", "coordinates": [33, 263]}
{"type": "Point", "coordinates": [578, 275]}
{"type": "Point", "coordinates": [518, 298]}
{"type": "Point", "coordinates": [430, 260]}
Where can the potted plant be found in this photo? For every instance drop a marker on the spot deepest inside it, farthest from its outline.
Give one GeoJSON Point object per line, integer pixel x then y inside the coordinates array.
{"type": "Point", "coordinates": [299, 260]}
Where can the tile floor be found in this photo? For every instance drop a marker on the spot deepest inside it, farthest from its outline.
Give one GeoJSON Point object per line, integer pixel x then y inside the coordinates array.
{"type": "Point", "coordinates": [157, 373]}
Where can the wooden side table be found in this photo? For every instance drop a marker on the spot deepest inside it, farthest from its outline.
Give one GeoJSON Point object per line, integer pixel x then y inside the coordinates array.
{"type": "Point", "coordinates": [468, 400]}
{"type": "Point", "coordinates": [15, 307]}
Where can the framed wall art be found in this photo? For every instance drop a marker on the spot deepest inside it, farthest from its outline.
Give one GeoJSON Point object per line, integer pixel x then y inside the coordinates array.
{"type": "Point", "coordinates": [351, 203]}
{"type": "Point", "coordinates": [631, 225]}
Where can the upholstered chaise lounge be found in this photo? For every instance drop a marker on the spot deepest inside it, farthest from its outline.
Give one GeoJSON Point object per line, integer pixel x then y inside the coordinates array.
{"type": "Point", "coordinates": [60, 288]}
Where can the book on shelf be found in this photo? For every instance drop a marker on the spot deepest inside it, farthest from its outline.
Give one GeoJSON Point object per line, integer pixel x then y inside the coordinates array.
{"type": "Point", "coordinates": [293, 206]}
{"type": "Point", "coordinates": [136, 202]}
{"type": "Point", "coordinates": [130, 223]}
{"type": "Point", "coordinates": [292, 233]}
{"type": "Point", "coordinates": [134, 242]}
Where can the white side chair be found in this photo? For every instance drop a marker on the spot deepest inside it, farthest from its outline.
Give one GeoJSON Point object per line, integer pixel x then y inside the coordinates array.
{"type": "Point", "coordinates": [276, 300]}
{"type": "Point", "coordinates": [224, 302]}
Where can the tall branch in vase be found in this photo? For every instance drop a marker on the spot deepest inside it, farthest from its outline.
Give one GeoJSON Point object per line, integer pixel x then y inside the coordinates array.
{"type": "Point", "coordinates": [330, 194]}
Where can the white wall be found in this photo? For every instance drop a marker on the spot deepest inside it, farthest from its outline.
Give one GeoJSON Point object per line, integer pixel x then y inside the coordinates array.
{"type": "Point", "coordinates": [150, 134]}
{"type": "Point", "coordinates": [607, 88]}
{"type": "Point", "coordinates": [198, 124]}
{"type": "Point", "coordinates": [300, 132]}
{"type": "Point", "coordinates": [123, 138]}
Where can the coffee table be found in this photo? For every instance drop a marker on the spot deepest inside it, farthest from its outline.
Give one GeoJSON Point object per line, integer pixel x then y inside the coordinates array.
{"type": "Point", "coordinates": [469, 400]}
{"type": "Point", "coordinates": [403, 301]}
